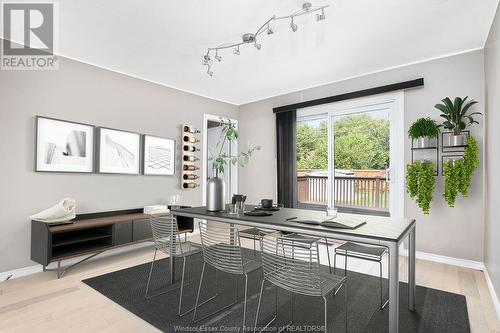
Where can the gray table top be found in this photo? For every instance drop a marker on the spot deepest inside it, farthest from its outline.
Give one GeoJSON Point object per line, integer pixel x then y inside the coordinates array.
{"type": "Point", "coordinates": [376, 228]}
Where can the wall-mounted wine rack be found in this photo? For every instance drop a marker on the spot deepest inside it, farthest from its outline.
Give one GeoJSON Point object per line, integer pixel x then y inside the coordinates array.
{"type": "Point", "coordinates": [190, 159]}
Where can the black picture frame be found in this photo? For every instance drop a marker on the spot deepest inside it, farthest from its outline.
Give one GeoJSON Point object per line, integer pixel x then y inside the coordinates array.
{"type": "Point", "coordinates": [63, 168]}
{"type": "Point", "coordinates": [144, 168]}
{"type": "Point", "coordinates": [99, 152]}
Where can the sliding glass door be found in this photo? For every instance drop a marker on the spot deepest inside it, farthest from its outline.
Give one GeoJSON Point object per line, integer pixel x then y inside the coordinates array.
{"type": "Point", "coordinates": [349, 156]}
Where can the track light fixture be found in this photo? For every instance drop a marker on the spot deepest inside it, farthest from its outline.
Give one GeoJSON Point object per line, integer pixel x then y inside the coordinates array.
{"type": "Point", "coordinates": [268, 26]}
{"type": "Point", "coordinates": [217, 56]}
{"type": "Point", "coordinates": [293, 26]}
{"type": "Point", "coordinates": [320, 17]}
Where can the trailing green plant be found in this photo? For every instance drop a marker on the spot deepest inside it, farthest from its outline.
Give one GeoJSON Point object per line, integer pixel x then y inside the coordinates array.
{"type": "Point", "coordinates": [470, 164]}
{"type": "Point", "coordinates": [458, 174]}
{"type": "Point", "coordinates": [229, 134]}
{"type": "Point", "coordinates": [423, 127]}
{"type": "Point", "coordinates": [420, 183]}
{"type": "Point", "coordinates": [455, 114]}
{"type": "Point", "coordinates": [451, 172]}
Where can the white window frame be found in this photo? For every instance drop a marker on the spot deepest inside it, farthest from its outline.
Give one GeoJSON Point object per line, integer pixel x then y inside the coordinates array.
{"type": "Point", "coordinates": [393, 101]}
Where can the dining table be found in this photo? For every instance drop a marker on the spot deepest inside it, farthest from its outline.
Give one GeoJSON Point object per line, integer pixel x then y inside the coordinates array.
{"type": "Point", "coordinates": [388, 232]}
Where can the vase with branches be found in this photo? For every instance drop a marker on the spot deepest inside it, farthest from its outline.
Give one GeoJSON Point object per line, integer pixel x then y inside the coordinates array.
{"type": "Point", "coordinates": [221, 159]}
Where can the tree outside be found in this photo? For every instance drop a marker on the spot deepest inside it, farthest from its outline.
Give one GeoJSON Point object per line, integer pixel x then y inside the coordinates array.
{"type": "Point", "coordinates": [361, 143]}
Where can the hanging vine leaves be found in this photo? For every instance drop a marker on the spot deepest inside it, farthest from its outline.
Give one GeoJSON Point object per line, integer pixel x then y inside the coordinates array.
{"type": "Point", "coordinates": [420, 183]}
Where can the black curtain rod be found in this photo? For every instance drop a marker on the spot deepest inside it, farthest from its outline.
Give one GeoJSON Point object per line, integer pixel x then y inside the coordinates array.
{"type": "Point", "coordinates": [355, 94]}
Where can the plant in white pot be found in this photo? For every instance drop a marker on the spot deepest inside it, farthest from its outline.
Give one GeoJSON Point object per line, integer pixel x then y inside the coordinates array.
{"type": "Point", "coordinates": [424, 132]}
{"type": "Point", "coordinates": [215, 185]}
{"type": "Point", "coordinates": [457, 119]}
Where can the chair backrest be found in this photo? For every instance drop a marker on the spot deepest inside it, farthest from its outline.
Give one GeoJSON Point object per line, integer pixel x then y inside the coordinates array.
{"type": "Point", "coordinates": [166, 235]}
{"type": "Point", "coordinates": [221, 247]}
{"type": "Point", "coordinates": [291, 264]}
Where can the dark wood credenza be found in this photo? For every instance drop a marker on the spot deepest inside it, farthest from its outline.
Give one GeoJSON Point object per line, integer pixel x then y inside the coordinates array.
{"type": "Point", "coordinates": [91, 234]}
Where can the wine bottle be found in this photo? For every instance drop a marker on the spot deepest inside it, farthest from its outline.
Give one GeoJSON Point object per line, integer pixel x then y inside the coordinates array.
{"type": "Point", "coordinates": [190, 148]}
{"type": "Point", "coordinates": [190, 158]}
{"type": "Point", "coordinates": [189, 185]}
{"type": "Point", "coordinates": [190, 177]}
{"type": "Point", "coordinates": [190, 168]}
{"type": "Point", "coordinates": [189, 129]}
{"type": "Point", "coordinates": [190, 139]}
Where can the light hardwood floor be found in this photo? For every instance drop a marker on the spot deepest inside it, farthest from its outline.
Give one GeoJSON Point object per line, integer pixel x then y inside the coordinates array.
{"type": "Point", "coordinates": [42, 303]}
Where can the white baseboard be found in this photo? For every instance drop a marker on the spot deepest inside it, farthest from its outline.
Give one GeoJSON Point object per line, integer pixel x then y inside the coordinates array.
{"type": "Point", "coordinates": [494, 297]}
{"type": "Point", "coordinates": [39, 268]}
{"type": "Point", "coordinates": [16, 273]}
{"type": "Point", "coordinates": [478, 265]}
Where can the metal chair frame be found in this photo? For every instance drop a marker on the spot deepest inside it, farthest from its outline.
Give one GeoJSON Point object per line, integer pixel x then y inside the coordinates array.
{"type": "Point", "coordinates": [222, 250]}
{"type": "Point", "coordinates": [364, 256]}
{"type": "Point", "coordinates": [289, 265]}
{"type": "Point", "coordinates": [166, 238]}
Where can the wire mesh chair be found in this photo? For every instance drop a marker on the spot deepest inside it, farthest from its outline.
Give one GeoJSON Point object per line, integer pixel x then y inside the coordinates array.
{"type": "Point", "coordinates": [253, 234]}
{"type": "Point", "coordinates": [222, 250]}
{"type": "Point", "coordinates": [289, 265]}
{"type": "Point", "coordinates": [365, 252]}
{"type": "Point", "coordinates": [166, 238]}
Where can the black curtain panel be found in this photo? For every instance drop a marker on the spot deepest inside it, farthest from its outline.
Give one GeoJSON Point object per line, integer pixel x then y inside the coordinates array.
{"type": "Point", "coordinates": [286, 132]}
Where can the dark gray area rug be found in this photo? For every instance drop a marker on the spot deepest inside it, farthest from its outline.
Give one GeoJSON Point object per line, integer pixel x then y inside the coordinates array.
{"type": "Point", "coordinates": [436, 311]}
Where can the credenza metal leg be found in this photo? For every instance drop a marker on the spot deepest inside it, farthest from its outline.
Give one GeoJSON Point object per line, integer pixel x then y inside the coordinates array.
{"type": "Point", "coordinates": [62, 270]}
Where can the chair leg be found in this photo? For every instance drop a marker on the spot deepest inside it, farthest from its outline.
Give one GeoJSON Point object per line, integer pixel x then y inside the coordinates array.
{"type": "Point", "coordinates": [245, 303]}
{"type": "Point", "coordinates": [382, 304]}
{"type": "Point", "coordinates": [326, 315]}
{"type": "Point", "coordinates": [199, 290]}
{"type": "Point", "coordinates": [254, 253]}
{"type": "Point", "coordinates": [345, 304]}
{"type": "Point", "coordinates": [258, 308]}
{"type": "Point", "coordinates": [182, 287]}
{"type": "Point", "coordinates": [150, 273]}
{"type": "Point", "coordinates": [345, 274]}
{"type": "Point", "coordinates": [334, 262]}
{"type": "Point", "coordinates": [328, 255]}
{"type": "Point", "coordinates": [198, 304]}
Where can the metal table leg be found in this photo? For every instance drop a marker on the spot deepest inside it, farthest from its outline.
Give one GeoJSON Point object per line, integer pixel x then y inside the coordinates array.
{"type": "Point", "coordinates": [393, 287]}
{"type": "Point", "coordinates": [411, 269]}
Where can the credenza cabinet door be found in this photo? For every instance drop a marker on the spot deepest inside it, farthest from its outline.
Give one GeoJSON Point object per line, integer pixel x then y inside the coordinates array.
{"type": "Point", "coordinates": [141, 230]}
{"type": "Point", "coordinates": [122, 233]}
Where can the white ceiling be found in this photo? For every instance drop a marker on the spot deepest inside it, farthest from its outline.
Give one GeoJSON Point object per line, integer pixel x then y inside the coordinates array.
{"type": "Point", "coordinates": [163, 41]}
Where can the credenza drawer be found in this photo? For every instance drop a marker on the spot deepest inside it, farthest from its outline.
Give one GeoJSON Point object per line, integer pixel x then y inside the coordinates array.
{"type": "Point", "coordinates": [122, 233]}
{"type": "Point", "coordinates": [141, 230]}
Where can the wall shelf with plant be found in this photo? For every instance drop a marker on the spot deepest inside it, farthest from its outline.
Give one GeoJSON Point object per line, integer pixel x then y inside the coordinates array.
{"type": "Point", "coordinates": [457, 118]}
{"type": "Point", "coordinates": [424, 135]}
{"type": "Point", "coordinates": [458, 172]}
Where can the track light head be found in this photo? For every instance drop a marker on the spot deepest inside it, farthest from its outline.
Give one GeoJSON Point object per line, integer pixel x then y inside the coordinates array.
{"type": "Point", "coordinates": [320, 17]}
{"type": "Point", "coordinates": [209, 72]}
{"type": "Point", "coordinates": [270, 30]}
{"type": "Point", "coordinates": [293, 26]}
{"type": "Point", "coordinates": [236, 50]}
{"type": "Point", "coordinates": [218, 57]}
{"type": "Point", "coordinates": [257, 45]}
{"type": "Point", "coordinates": [207, 61]}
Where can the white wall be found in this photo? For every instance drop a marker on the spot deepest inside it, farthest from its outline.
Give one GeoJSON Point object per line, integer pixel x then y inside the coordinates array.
{"type": "Point", "coordinates": [455, 232]}
{"type": "Point", "coordinates": [492, 224]}
{"type": "Point", "coordinates": [86, 94]}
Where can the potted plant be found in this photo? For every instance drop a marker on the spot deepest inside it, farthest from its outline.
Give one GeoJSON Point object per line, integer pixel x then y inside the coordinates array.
{"type": "Point", "coordinates": [457, 119]}
{"type": "Point", "coordinates": [215, 184]}
{"type": "Point", "coordinates": [423, 131]}
{"type": "Point", "coordinates": [420, 183]}
{"type": "Point", "coordinates": [458, 173]}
